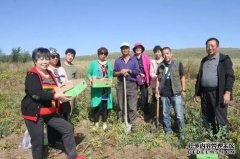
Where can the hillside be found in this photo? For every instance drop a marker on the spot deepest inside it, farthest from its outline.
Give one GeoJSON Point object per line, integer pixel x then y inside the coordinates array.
{"type": "Point", "coordinates": [188, 52]}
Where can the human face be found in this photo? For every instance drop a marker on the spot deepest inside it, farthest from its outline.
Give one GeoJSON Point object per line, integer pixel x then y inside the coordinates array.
{"type": "Point", "coordinates": [54, 59]}
{"type": "Point", "coordinates": [138, 50]}
{"type": "Point", "coordinates": [125, 50]}
{"type": "Point", "coordinates": [167, 55]}
{"type": "Point", "coordinates": [42, 63]}
{"type": "Point", "coordinates": [69, 57]}
{"type": "Point", "coordinates": [158, 54]}
{"type": "Point", "coordinates": [102, 56]}
{"type": "Point", "coordinates": [212, 48]}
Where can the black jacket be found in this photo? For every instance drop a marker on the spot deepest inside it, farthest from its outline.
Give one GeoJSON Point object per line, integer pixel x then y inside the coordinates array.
{"type": "Point", "coordinates": [225, 73]}
{"type": "Point", "coordinates": [35, 97]}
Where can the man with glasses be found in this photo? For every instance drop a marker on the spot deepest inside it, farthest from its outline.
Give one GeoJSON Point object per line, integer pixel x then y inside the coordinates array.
{"type": "Point", "coordinates": [214, 85]}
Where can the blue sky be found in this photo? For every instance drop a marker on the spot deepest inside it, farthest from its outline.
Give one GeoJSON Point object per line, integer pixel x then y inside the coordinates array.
{"type": "Point", "coordinates": [86, 25]}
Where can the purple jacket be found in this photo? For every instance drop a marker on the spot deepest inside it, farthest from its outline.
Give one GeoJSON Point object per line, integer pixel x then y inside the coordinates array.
{"type": "Point", "coordinates": [132, 64]}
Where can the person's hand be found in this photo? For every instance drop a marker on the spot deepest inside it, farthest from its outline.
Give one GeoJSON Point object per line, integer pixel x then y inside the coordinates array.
{"type": "Point", "coordinates": [62, 97]}
{"type": "Point", "coordinates": [125, 72]}
{"type": "Point", "coordinates": [183, 93]}
{"type": "Point", "coordinates": [195, 99]}
{"type": "Point", "coordinates": [157, 95]}
{"type": "Point", "coordinates": [226, 98]}
{"type": "Point", "coordinates": [91, 81]}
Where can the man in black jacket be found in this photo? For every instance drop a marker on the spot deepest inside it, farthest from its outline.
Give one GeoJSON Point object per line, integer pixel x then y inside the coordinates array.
{"type": "Point", "coordinates": [214, 85]}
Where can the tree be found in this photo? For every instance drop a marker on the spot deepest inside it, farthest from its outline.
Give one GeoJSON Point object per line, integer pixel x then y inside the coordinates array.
{"type": "Point", "coordinates": [3, 57]}
{"type": "Point", "coordinates": [16, 54]}
{"type": "Point", "coordinates": [25, 56]}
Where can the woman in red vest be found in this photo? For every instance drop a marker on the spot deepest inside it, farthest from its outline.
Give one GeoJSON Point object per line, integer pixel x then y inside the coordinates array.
{"type": "Point", "coordinates": [40, 104]}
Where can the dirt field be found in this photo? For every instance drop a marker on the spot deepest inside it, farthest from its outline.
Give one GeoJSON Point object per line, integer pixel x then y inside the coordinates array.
{"type": "Point", "coordinates": [109, 150]}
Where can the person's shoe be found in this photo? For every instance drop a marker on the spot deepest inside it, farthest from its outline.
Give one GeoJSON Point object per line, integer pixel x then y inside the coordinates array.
{"type": "Point", "coordinates": [146, 117]}
{"type": "Point", "coordinates": [104, 126]}
{"type": "Point", "coordinates": [80, 157]}
{"type": "Point", "coordinates": [182, 137]}
{"type": "Point", "coordinates": [168, 133]}
{"type": "Point", "coordinates": [96, 126]}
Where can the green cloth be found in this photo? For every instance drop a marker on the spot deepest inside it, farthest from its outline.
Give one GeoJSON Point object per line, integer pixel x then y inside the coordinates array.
{"type": "Point", "coordinates": [96, 93]}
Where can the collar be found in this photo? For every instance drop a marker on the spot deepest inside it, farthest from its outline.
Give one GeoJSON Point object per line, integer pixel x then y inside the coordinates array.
{"type": "Point", "coordinates": [130, 57]}
{"type": "Point", "coordinates": [159, 60]}
{"type": "Point", "coordinates": [104, 63]}
{"type": "Point", "coordinates": [139, 56]}
{"type": "Point", "coordinates": [214, 57]}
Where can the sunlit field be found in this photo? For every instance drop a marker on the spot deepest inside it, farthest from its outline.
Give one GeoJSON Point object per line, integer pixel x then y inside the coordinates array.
{"type": "Point", "coordinates": [114, 143]}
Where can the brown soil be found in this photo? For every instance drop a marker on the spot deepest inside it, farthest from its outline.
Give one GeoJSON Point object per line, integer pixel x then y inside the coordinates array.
{"type": "Point", "coordinates": [110, 150]}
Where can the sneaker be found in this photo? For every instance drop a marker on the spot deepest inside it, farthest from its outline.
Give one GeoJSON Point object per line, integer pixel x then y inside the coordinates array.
{"type": "Point", "coordinates": [96, 126]}
{"type": "Point", "coordinates": [104, 126]}
{"type": "Point", "coordinates": [181, 137]}
{"type": "Point", "coordinates": [80, 157]}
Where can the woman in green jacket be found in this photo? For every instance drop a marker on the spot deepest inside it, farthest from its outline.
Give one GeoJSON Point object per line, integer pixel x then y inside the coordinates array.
{"type": "Point", "coordinates": [101, 98]}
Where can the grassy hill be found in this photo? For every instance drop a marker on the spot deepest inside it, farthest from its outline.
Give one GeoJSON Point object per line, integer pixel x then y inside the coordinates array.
{"type": "Point", "coordinates": [188, 52]}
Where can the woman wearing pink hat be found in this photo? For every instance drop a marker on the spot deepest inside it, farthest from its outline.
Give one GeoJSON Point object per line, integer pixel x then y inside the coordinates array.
{"type": "Point", "coordinates": [143, 79]}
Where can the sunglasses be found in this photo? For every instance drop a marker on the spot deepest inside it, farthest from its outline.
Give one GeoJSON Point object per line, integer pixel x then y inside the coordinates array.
{"type": "Point", "coordinates": [124, 47]}
{"type": "Point", "coordinates": [103, 53]}
{"type": "Point", "coordinates": [54, 56]}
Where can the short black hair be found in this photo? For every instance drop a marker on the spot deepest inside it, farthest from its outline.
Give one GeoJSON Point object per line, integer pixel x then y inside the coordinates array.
{"type": "Point", "coordinates": [39, 53]}
{"type": "Point", "coordinates": [167, 48]}
{"type": "Point", "coordinates": [71, 51]}
{"type": "Point", "coordinates": [214, 39]}
{"type": "Point", "coordinates": [156, 48]}
{"type": "Point", "coordinates": [102, 50]}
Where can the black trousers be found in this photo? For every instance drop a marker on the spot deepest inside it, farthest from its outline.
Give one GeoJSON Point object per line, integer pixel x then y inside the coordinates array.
{"type": "Point", "coordinates": [65, 110]}
{"type": "Point", "coordinates": [57, 122]}
{"type": "Point", "coordinates": [213, 112]}
{"type": "Point", "coordinates": [144, 98]}
{"type": "Point", "coordinates": [54, 137]}
{"type": "Point", "coordinates": [101, 109]}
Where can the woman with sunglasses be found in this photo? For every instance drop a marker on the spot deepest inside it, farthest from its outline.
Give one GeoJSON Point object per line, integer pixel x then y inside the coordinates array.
{"type": "Point", "coordinates": [57, 69]}
{"type": "Point", "coordinates": [54, 138]}
{"type": "Point", "coordinates": [101, 98]}
{"type": "Point", "coordinates": [61, 78]}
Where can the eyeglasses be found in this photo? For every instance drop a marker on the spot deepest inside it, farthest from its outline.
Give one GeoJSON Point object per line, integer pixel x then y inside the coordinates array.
{"type": "Point", "coordinates": [54, 56]}
{"type": "Point", "coordinates": [103, 53]}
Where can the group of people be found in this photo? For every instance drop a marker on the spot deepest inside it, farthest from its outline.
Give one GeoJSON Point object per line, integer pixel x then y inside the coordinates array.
{"type": "Point", "coordinates": [135, 72]}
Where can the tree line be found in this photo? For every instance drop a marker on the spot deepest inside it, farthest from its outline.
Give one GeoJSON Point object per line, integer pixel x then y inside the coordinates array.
{"type": "Point", "coordinates": [16, 55]}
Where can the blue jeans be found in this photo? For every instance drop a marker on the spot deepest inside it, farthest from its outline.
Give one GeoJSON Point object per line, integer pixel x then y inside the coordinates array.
{"type": "Point", "coordinates": [177, 103]}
